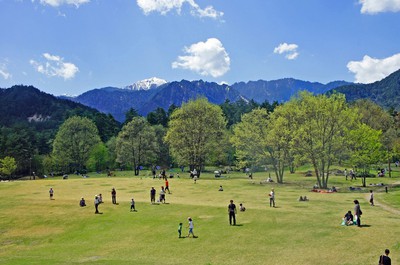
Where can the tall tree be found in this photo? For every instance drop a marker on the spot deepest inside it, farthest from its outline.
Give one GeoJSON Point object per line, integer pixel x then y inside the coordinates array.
{"type": "Point", "coordinates": [158, 117]}
{"type": "Point", "coordinates": [130, 114]}
{"type": "Point", "coordinates": [262, 138]}
{"type": "Point", "coordinates": [366, 148]}
{"type": "Point", "coordinates": [193, 132]}
{"type": "Point", "coordinates": [98, 158]}
{"type": "Point", "coordinates": [136, 144]}
{"type": "Point", "coordinates": [74, 141]}
{"type": "Point", "coordinates": [321, 127]}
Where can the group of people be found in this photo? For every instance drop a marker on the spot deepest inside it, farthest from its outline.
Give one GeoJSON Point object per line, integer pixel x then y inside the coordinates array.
{"type": "Point", "coordinates": [162, 194]}
{"type": "Point", "coordinates": [190, 226]}
{"type": "Point", "coordinates": [351, 173]}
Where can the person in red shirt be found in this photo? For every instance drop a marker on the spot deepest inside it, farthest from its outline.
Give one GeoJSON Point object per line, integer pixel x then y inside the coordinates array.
{"type": "Point", "coordinates": [167, 186]}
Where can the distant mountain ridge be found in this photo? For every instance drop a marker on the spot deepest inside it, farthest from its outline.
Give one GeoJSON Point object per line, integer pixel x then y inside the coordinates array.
{"type": "Point", "coordinates": [385, 93]}
{"type": "Point", "coordinates": [118, 101]}
{"type": "Point", "coordinates": [282, 90]}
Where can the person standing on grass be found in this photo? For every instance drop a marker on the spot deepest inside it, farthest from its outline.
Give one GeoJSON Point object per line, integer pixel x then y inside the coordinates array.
{"type": "Point", "coordinates": [384, 259]}
{"type": "Point", "coordinates": [96, 204]}
{"type": "Point", "coordinates": [114, 196]}
{"type": "Point", "coordinates": [167, 186]}
{"type": "Point", "coordinates": [180, 230]}
{"type": "Point", "coordinates": [191, 226]}
{"type": "Point", "coordinates": [232, 212]}
{"type": "Point", "coordinates": [371, 198]}
{"type": "Point", "coordinates": [162, 195]}
{"type": "Point", "coordinates": [51, 192]}
{"type": "Point", "coordinates": [358, 212]}
{"type": "Point", "coordinates": [153, 195]}
{"type": "Point", "coordinates": [272, 198]}
{"type": "Point", "coordinates": [133, 205]}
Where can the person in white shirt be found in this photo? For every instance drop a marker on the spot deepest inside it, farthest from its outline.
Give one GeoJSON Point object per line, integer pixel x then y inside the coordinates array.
{"type": "Point", "coordinates": [272, 198]}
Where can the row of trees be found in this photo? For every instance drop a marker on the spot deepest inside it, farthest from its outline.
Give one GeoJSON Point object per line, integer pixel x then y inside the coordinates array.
{"type": "Point", "coordinates": [319, 130]}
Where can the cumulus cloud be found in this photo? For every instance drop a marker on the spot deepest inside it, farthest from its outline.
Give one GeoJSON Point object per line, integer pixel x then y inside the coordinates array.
{"type": "Point", "coordinates": [56, 3]}
{"type": "Point", "coordinates": [55, 66]}
{"type": "Point", "coordinates": [205, 58]}
{"type": "Point", "coordinates": [4, 72]}
{"type": "Point", "coordinates": [377, 6]}
{"type": "Point", "coordinates": [290, 50]}
{"type": "Point", "coordinates": [165, 6]}
{"type": "Point", "coordinates": [369, 69]}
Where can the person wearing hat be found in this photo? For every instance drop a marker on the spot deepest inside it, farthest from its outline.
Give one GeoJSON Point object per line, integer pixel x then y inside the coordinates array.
{"type": "Point", "coordinates": [272, 198]}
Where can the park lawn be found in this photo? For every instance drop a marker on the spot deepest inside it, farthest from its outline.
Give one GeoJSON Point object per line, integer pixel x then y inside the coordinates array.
{"type": "Point", "coordinates": [36, 230]}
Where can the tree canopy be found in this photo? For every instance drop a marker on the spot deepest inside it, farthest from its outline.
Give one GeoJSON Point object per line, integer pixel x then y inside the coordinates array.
{"type": "Point", "coordinates": [74, 141]}
{"type": "Point", "coordinates": [194, 131]}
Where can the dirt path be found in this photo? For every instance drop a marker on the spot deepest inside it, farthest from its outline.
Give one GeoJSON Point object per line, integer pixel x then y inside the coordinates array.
{"type": "Point", "coordinates": [384, 206]}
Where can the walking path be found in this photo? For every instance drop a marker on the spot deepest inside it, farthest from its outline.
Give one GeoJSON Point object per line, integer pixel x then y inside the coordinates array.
{"type": "Point", "coordinates": [384, 206]}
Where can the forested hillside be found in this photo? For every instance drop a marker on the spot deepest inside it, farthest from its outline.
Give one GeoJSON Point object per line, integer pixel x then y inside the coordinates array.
{"type": "Point", "coordinates": [29, 120]}
{"type": "Point", "coordinates": [385, 93]}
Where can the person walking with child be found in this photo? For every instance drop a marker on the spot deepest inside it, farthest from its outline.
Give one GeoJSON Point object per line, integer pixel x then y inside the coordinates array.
{"type": "Point", "coordinates": [191, 227]}
{"type": "Point", "coordinates": [358, 212]}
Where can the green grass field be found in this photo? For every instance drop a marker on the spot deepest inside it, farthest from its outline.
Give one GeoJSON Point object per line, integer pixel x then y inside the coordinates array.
{"type": "Point", "coordinates": [36, 230]}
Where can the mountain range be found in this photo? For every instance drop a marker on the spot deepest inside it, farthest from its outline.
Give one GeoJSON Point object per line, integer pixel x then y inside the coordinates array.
{"type": "Point", "coordinates": [145, 96]}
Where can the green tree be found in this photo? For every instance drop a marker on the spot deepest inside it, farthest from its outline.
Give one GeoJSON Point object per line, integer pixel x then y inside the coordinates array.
{"type": "Point", "coordinates": [98, 158]}
{"type": "Point", "coordinates": [262, 138]}
{"type": "Point", "coordinates": [74, 141]}
{"type": "Point", "coordinates": [162, 154]}
{"type": "Point", "coordinates": [130, 114]}
{"type": "Point", "coordinates": [158, 117]}
{"type": "Point", "coordinates": [194, 131]}
{"type": "Point", "coordinates": [249, 138]}
{"type": "Point", "coordinates": [365, 147]}
{"type": "Point", "coordinates": [321, 126]}
{"type": "Point", "coordinates": [8, 166]}
{"type": "Point", "coordinates": [136, 144]}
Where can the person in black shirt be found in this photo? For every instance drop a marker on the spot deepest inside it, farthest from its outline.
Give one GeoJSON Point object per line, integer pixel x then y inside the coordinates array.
{"type": "Point", "coordinates": [384, 259]}
{"type": "Point", "coordinates": [232, 212]}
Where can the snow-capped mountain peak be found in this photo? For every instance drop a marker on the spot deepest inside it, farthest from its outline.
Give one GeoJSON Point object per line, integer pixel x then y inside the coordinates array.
{"type": "Point", "coordinates": [146, 84]}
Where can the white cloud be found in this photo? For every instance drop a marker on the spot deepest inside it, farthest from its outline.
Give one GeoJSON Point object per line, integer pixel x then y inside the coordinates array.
{"type": "Point", "coordinates": [165, 6]}
{"type": "Point", "coordinates": [4, 72]}
{"type": "Point", "coordinates": [55, 66]}
{"type": "Point", "coordinates": [56, 3]}
{"type": "Point", "coordinates": [377, 6]}
{"type": "Point", "coordinates": [205, 58]}
{"type": "Point", "coordinates": [290, 50]}
{"type": "Point", "coordinates": [369, 70]}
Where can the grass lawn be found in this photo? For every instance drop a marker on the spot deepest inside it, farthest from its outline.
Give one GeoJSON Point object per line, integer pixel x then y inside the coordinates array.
{"type": "Point", "coordinates": [37, 230]}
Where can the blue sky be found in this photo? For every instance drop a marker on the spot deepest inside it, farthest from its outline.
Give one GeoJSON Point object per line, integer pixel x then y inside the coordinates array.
{"type": "Point", "coordinates": [72, 46]}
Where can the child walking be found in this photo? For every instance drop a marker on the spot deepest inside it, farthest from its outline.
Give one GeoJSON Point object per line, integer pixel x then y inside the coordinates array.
{"type": "Point", "coordinates": [180, 230]}
{"type": "Point", "coordinates": [133, 205]}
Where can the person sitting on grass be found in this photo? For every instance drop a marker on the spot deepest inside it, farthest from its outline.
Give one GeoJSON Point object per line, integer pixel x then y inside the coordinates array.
{"type": "Point", "coordinates": [82, 203]}
{"type": "Point", "coordinates": [242, 208]}
{"type": "Point", "coordinates": [348, 218]}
